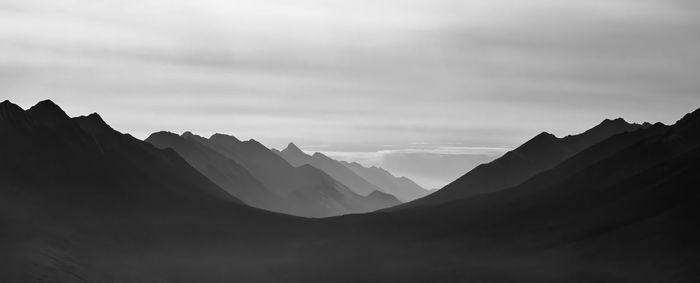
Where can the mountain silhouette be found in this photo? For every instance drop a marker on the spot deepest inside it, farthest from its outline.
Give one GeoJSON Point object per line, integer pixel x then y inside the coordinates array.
{"type": "Point", "coordinates": [403, 188]}
{"type": "Point", "coordinates": [332, 167]}
{"type": "Point", "coordinates": [225, 172]}
{"type": "Point", "coordinates": [81, 202]}
{"type": "Point", "coordinates": [381, 199]}
{"type": "Point", "coordinates": [303, 191]}
{"type": "Point", "coordinates": [621, 209]}
{"type": "Point", "coordinates": [540, 153]}
{"type": "Point", "coordinates": [84, 162]}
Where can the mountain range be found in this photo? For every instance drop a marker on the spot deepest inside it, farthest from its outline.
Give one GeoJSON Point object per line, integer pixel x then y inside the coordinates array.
{"type": "Point", "coordinates": [360, 179]}
{"type": "Point", "coordinates": [81, 202]}
{"type": "Point", "coordinates": [250, 171]}
{"type": "Point", "coordinates": [540, 153]}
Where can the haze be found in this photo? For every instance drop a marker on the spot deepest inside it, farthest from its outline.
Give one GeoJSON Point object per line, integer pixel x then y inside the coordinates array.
{"type": "Point", "coordinates": [399, 84]}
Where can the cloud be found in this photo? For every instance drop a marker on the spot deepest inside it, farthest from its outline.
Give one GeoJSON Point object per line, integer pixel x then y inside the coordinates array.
{"type": "Point", "coordinates": [355, 73]}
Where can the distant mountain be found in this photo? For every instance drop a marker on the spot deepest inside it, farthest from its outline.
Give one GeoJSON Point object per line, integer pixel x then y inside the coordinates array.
{"type": "Point", "coordinates": [304, 191]}
{"type": "Point", "coordinates": [540, 153]}
{"type": "Point", "coordinates": [403, 188]}
{"type": "Point", "coordinates": [332, 167]}
{"type": "Point", "coordinates": [225, 172]}
{"type": "Point", "coordinates": [294, 155]}
{"type": "Point", "coordinates": [381, 199]}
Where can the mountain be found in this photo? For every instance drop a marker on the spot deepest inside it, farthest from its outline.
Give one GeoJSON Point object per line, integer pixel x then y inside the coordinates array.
{"type": "Point", "coordinates": [43, 147]}
{"type": "Point", "coordinates": [403, 188]}
{"type": "Point", "coordinates": [332, 167]}
{"type": "Point", "coordinates": [540, 153]}
{"type": "Point", "coordinates": [304, 191]}
{"type": "Point", "coordinates": [624, 209]}
{"type": "Point", "coordinates": [225, 172]}
{"type": "Point", "coordinates": [294, 155]}
{"type": "Point", "coordinates": [80, 202]}
{"type": "Point", "coordinates": [381, 199]}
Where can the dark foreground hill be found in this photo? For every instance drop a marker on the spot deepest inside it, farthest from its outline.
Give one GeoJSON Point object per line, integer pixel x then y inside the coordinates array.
{"type": "Point", "coordinates": [76, 206]}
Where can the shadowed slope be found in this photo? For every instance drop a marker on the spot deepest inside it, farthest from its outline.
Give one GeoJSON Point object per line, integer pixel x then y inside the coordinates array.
{"type": "Point", "coordinates": [540, 153]}
{"type": "Point", "coordinates": [226, 173]}
{"type": "Point", "coordinates": [401, 187]}
{"type": "Point", "coordinates": [333, 168]}
{"type": "Point", "coordinates": [623, 209]}
{"type": "Point", "coordinates": [308, 191]}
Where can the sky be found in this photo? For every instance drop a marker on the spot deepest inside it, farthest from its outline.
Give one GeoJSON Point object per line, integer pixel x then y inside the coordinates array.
{"type": "Point", "coordinates": [424, 88]}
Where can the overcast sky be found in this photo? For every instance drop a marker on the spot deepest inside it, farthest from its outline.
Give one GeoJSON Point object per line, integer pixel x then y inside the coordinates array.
{"type": "Point", "coordinates": [396, 82]}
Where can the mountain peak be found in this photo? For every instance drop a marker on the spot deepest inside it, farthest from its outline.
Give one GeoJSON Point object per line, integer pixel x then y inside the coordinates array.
{"type": "Point", "coordinates": [540, 142]}
{"type": "Point", "coordinates": [187, 134]}
{"type": "Point", "coordinates": [605, 129]}
{"type": "Point", "coordinates": [93, 123]}
{"type": "Point", "coordinates": [293, 148]}
{"type": "Point", "coordinates": [542, 138]}
{"type": "Point", "coordinates": [612, 123]}
{"type": "Point", "coordinates": [161, 134]}
{"type": "Point", "coordinates": [321, 155]}
{"type": "Point", "coordinates": [7, 103]}
{"type": "Point", "coordinates": [11, 112]}
{"type": "Point", "coordinates": [97, 118]}
{"type": "Point", "coordinates": [223, 137]}
{"type": "Point", "coordinates": [9, 107]}
{"type": "Point", "coordinates": [48, 111]}
{"type": "Point", "coordinates": [384, 197]}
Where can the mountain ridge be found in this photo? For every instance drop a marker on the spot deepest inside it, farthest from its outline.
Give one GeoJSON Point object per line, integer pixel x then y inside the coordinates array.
{"type": "Point", "coordinates": [516, 166]}
{"type": "Point", "coordinates": [332, 167]}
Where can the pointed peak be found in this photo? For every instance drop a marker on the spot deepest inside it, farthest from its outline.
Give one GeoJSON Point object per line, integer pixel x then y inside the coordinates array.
{"type": "Point", "coordinates": [293, 148]}
{"type": "Point", "coordinates": [617, 121]}
{"type": "Point", "coordinates": [92, 123]}
{"type": "Point", "coordinates": [12, 112]}
{"type": "Point", "coordinates": [96, 117]}
{"type": "Point", "coordinates": [291, 145]}
{"type": "Point", "coordinates": [544, 135]}
{"type": "Point", "coordinates": [9, 106]}
{"type": "Point", "coordinates": [541, 140]}
{"type": "Point", "coordinates": [609, 127]}
{"type": "Point", "coordinates": [46, 103]}
{"type": "Point", "coordinates": [47, 110]}
{"type": "Point", "coordinates": [6, 103]}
